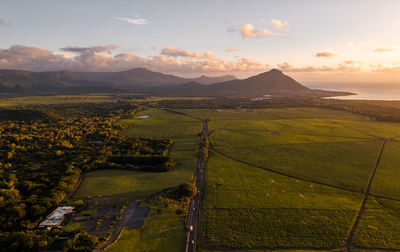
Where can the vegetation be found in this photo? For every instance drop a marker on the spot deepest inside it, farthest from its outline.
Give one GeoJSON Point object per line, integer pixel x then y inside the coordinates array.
{"type": "Point", "coordinates": [378, 225]}
{"type": "Point", "coordinates": [42, 160]}
{"type": "Point", "coordinates": [82, 241]}
{"type": "Point", "coordinates": [386, 180]}
{"type": "Point", "coordinates": [162, 231]}
{"type": "Point", "coordinates": [165, 194]}
{"type": "Point", "coordinates": [380, 110]}
{"type": "Point", "coordinates": [292, 178]}
{"type": "Point", "coordinates": [278, 177]}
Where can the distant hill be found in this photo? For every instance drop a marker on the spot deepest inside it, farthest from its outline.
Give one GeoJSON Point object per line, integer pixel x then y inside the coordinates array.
{"type": "Point", "coordinates": [140, 77]}
{"type": "Point", "coordinates": [25, 82]}
{"type": "Point", "coordinates": [143, 80]}
{"type": "Point", "coordinates": [17, 81]}
{"type": "Point", "coordinates": [273, 82]}
{"type": "Point", "coordinates": [211, 80]}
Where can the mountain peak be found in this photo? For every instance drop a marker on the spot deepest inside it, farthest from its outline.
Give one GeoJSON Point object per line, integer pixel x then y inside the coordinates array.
{"type": "Point", "coordinates": [273, 73]}
{"type": "Point", "coordinates": [276, 71]}
{"type": "Point", "coordinates": [138, 69]}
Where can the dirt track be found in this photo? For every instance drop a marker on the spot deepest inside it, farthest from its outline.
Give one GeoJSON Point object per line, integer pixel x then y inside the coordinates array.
{"type": "Point", "coordinates": [349, 239]}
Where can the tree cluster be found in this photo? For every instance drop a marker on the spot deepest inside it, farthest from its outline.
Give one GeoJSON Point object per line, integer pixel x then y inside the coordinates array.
{"type": "Point", "coordinates": [42, 159]}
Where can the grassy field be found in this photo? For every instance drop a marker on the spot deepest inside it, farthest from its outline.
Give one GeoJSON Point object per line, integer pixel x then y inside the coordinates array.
{"type": "Point", "coordinates": [161, 124]}
{"type": "Point", "coordinates": [139, 185]}
{"type": "Point", "coordinates": [91, 98]}
{"type": "Point", "coordinates": [387, 178]}
{"type": "Point", "coordinates": [379, 225]}
{"type": "Point", "coordinates": [251, 208]}
{"type": "Point", "coordinates": [128, 184]}
{"type": "Point", "coordinates": [151, 237]}
{"type": "Point", "coordinates": [54, 99]}
{"type": "Point", "coordinates": [290, 177]}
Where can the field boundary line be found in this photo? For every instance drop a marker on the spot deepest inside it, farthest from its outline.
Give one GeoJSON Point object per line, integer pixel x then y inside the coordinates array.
{"type": "Point", "coordinates": [181, 113]}
{"type": "Point", "coordinates": [266, 145]}
{"type": "Point", "coordinates": [356, 130]}
{"type": "Point", "coordinates": [286, 174]}
{"type": "Point", "coordinates": [349, 240]}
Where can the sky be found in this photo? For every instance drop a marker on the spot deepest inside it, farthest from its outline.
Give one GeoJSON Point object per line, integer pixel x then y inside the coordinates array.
{"type": "Point", "coordinates": [310, 40]}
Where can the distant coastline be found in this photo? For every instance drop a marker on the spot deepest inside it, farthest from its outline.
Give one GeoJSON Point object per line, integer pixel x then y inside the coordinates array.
{"type": "Point", "coordinates": [363, 91]}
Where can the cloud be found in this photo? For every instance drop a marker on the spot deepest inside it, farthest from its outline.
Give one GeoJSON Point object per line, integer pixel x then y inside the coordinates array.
{"type": "Point", "coordinates": [286, 67]}
{"type": "Point", "coordinates": [2, 22]}
{"type": "Point", "coordinates": [91, 49]}
{"type": "Point", "coordinates": [379, 68]}
{"type": "Point", "coordinates": [232, 29]}
{"type": "Point", "coordinates": [326, 54]}
{"type": "Point", "coordinates": [136, 21]}
{"type": "Point", "coordinates": [214, 66]}
{"type": "Point", "coordinates": [230, 50]}
{"type": "Point", "coordinates": [32, 58]}
{"type": "Point", "coordinates": [94, 59]}
{"type": "Point", "coordinates": [382, 50]}
{"type": "Point", "coordinates": [174, 52]}
{"type": "Point", "coordinates": [351, 62]}
{"type": "Point", "coordinates": [280, 25]}
{"type": "Point", "coordinates": [248, 31]}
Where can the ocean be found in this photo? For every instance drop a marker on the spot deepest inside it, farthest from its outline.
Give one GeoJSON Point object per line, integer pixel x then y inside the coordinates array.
{"type": "Point", "coordinates": [363, 91]}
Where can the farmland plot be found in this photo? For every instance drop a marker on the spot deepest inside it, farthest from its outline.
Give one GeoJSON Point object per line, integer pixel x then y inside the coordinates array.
{"type": "Point", "coordinates": [293, 178]}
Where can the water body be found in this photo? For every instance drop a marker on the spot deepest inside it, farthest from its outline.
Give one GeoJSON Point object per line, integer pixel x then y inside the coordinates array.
{"type": "Point", "coordinates": [363, 91]}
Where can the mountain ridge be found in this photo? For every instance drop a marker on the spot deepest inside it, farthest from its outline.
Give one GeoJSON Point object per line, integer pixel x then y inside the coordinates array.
{"type": "Point", "coordinates": [273, 82]}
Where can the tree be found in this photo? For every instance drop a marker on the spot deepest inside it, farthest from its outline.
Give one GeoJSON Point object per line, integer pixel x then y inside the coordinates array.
{"type": "Point", "coordinates": [187, 190]}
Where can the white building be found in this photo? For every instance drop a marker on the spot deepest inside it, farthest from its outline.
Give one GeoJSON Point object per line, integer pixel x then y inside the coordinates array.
{"type": "Point", "coordinates": [56, 218]}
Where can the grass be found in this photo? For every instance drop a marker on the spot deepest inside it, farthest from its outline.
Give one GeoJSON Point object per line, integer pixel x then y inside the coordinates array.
{"type": "Point", "coordinates": [343, 164]}
{"type": "Point", "coordinates": [55, 99]}
{"type": "Point", "coordinates": [151, 238]}
{"type": "Point", "coordinates": [230, 184]}
{"type": "Point", "coordinates": [90, 98]}
{"type": "Point", "coordinates": [73, 226]}
{"type": "Point", "coordinates": [140, 185]}
{"type": "Point", "coordinates": [132, 184]}
{"type": "Point", "coordinates": [279, 228]}
{"type": "Point", "coordinates": [246, 206]}
{"type": "Point", "coordinates": [252, 208]}
{"type": "Point", "coordinates": [378, 227]}
{"type": "Point", "coordinates": [128, 184]}
{"type": "Point", "coordinates": [387, 182]}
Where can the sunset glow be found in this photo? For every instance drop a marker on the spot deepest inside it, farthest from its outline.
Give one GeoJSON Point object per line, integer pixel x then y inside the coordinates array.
{"type": "Point", "coordinates": [313, 41]}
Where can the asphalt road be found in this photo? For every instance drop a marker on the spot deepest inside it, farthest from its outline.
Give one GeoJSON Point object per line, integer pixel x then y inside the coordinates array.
{"type": "Point", "coordinates": [194, 207]}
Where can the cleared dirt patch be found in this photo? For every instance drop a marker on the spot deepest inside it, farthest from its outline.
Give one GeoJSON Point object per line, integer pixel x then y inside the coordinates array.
{"type": "Point", "coordinates": [134, 216]}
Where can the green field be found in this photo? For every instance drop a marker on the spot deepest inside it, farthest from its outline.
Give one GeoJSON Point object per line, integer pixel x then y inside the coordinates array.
{"type": "Point", "coordinates": [385, 182]}
{"type": "Point", "coordinates": [291, 178]}
{"type": "Point", "coordinates": [160, 124]}
{"type": "Point", "coordinates": [89, 98]}
{"type": "Point", "coordinates": [55, 99]}
{"type": "Point", "coordinates": [150, 237]}
{"type": "Point", "coordinates": [248, 207]}
{"type": "Point", "coordinates": [140, 185]}
{"type": "Point", "coordinates": [379, 225]}
{"type": "Point", "coordinates": [128, 184]}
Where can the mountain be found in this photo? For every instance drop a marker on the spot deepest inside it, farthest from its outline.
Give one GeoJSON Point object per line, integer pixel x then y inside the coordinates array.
{"type": "Point", "coordinates": [141, 77]}
{"type": "Point", "coordinates": [211, 80]}
{"type": "Point", "coordinates": [143, 80]}
{"type": "Point", "coordinates": [25, 82]}
{"type": "Point", "coordinates": [273, 82]}
{"type": "Point", "coordinates": [134, 79]}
